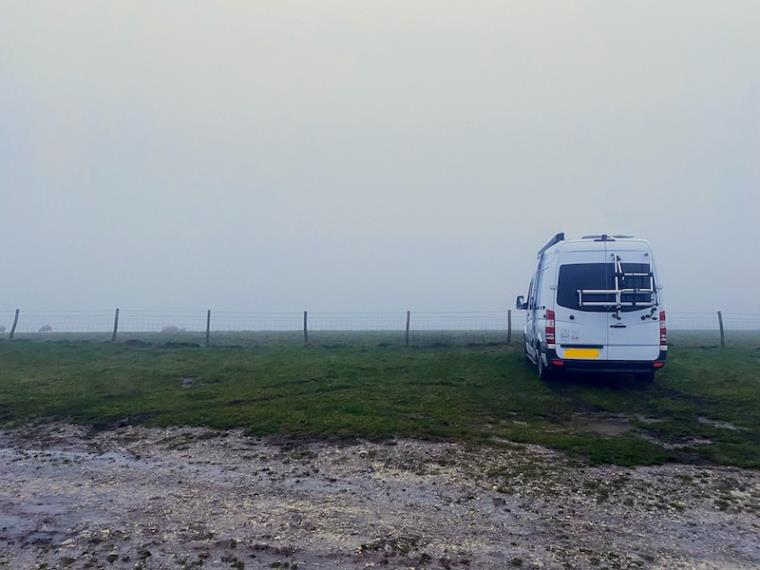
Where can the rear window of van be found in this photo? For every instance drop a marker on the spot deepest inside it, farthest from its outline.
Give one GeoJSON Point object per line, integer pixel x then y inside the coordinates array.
{"type": "Point", "coordinates": [600, 276]}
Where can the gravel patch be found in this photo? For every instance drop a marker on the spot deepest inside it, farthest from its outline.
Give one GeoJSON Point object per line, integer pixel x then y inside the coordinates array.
{"type": "Point", "coordinates": [186, 498]}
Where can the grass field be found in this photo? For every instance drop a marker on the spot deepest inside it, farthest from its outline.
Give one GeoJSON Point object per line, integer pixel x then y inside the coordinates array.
{"type": "Point", "coordinates": [704, 406]}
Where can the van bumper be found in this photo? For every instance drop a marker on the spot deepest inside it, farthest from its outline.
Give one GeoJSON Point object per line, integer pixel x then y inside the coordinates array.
{"type": "Point", "coordinates": [622, 366]}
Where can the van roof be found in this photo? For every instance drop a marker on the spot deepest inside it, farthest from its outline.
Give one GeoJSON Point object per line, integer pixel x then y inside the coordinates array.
{"type": "Point", "coordinates": [593, 241]}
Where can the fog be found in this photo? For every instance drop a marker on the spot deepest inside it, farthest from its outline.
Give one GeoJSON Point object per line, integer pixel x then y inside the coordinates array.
{"type": "Point", "coordinates": [373, 155]}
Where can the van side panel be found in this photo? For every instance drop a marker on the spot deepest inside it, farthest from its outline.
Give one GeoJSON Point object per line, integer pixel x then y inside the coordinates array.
{"type": "Point", "coordinates": [546, 284]}
{"type": "Point", "coordinates": [544, 296]}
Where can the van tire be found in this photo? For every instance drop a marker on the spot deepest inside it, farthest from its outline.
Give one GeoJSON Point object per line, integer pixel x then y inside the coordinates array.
{"type": "Point", "coordinates": [544, 372]}
{"type": "Point", "coordinates": [645, 377]}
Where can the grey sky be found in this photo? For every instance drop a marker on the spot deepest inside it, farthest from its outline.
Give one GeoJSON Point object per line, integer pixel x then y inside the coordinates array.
{"type": "Point", "coordinates": [373, 155]}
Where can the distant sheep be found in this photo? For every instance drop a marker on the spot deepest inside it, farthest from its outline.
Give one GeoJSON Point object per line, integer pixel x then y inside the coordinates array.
{"type": "Point", "coordinates": [46, 329]}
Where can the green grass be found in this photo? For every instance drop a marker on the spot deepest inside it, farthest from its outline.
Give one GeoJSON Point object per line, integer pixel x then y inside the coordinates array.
{"type": "Point", "coordinates": [373, 389]}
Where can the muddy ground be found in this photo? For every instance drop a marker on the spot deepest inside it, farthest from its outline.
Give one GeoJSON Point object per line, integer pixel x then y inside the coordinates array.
{"type": "Point", "coordinates": [185, 498]}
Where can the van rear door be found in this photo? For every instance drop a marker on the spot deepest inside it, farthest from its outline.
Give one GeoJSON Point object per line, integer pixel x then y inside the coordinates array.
{"type": "Point", "coordinates": [635, 335]}
{"type": "Point", "coordinates": [581, 331]}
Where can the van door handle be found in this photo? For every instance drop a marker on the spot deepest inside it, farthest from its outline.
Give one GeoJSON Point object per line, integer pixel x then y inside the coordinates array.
{"type": "Point", "coordinates": [618, 326]}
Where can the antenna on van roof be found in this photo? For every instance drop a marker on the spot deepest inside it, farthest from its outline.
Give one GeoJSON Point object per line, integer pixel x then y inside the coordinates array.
{"type": "Point", "coordinates": [556, 239]}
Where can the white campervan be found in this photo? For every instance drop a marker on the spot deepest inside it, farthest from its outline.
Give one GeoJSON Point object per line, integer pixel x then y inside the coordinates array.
{"type": "Point", "coordinates": [595, 304]}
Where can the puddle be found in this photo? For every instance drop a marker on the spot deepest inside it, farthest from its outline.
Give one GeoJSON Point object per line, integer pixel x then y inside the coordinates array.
{"type": "Point", "coordinates": [692, 442]}
{"type": "Point", "coordinates": [66, 456]}
{"type": "Point", "coordinates": [648, 420]}
{"type": "Point", "coordinates": [609, 425]}
{"type": "Point", "coordinates": [608, 428]}
{"type": "Point", "coordinates": [15, 523]}
{"type": "Point", "coordinates": [718, 424]}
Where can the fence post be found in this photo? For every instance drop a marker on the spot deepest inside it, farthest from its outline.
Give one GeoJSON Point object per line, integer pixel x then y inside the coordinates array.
{"type": "Point", "coordinates": [408, 321]}
{"type": "Point", "coordinates": [208, 328]}
{"type": "Point", "coordinates": [15, 322]}
{"type": "Point", "coordinates": [115, 325]}
{"type": "Point", "coordinates": [306, 326]}
{"type": "Point", "coordinates": [722, 333]}
{"type": "Point", "coordinates": [509, 326]}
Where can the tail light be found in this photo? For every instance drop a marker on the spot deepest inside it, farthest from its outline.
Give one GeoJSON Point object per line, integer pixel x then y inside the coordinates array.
{"type": "Point", "coordinates": [550, 331]}
{"type": "Point", "coordinates": [663, 330]}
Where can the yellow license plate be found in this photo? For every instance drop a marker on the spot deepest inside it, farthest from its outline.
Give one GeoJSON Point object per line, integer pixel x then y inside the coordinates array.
{"type": "Point", "coordinates": [587, 353]}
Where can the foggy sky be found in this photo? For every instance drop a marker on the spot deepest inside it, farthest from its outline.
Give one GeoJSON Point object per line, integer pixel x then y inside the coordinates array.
{"type": "Point", "coordinates": [372, 155]}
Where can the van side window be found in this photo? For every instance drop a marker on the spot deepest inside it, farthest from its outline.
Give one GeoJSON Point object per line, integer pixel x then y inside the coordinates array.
{"type": "Point", "coordinates": [537, 284]}
{"type": "Point", "coordinates": [530, 294]}
{"type": "Point", "coordinates": [533, 293]}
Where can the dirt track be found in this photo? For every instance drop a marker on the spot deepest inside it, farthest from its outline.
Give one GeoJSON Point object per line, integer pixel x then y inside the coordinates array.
{"type": "Point", "coordinates": [154, 498]}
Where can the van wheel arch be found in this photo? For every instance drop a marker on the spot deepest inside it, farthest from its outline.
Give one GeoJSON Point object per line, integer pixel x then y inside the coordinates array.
{"type": "Point", "coordinates": [545, 373]}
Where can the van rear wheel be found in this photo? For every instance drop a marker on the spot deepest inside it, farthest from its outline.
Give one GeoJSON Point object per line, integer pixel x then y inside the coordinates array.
{"type": "Point", "coordinates": [544, 372]}
{"type": "Point", "coordinates": [525, 353]}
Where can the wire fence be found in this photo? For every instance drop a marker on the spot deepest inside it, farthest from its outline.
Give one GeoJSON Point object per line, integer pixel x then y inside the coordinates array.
{"type": "Point", "coordinates": [404, 327]}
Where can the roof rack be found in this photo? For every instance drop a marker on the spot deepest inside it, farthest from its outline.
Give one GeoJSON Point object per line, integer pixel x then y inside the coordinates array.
{"type": "Point", "coordinates": [600, 237]}
{"type": "Point", "coordinates": [556, 239]}
{"type": "Point", "coordinates": [606, 237]}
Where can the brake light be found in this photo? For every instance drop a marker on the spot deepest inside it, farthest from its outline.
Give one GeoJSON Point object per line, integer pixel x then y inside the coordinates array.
{"type": "Point", "coordinates": [658, 364]}
{"type": "Point", "coordinates": [550, 331]}
{"type": "Point", "coordinates": [663, 330]}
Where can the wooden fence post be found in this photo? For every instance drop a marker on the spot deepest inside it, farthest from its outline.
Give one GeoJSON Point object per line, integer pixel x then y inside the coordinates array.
{"type": "Point", "coordinates": [408, 321]}
{"type": "Point", "coordinates": [208, 328]}
{"type": "Point", "coordinates": [15, 322]}
{"type": "Point", "coordinates": [115, 325]}
{"type": "Point", "coordinates": [509, 326]}
{"type": "Point", "coordinates": [306, 326]}
{"type": "Point", "coordinates": [722, 332]}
